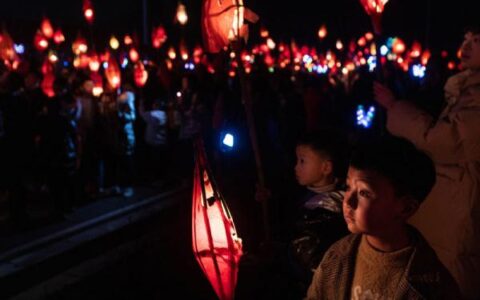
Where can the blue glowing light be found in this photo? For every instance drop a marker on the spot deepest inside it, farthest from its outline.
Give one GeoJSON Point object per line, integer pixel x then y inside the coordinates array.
{"type": "Point", "coordinates": [228, 140]}
{"type": "Point", "coordinates": [19, 48]}
{"type": "Point", "coordinates": [372, 63]}
{"type": "Point", "coordinates": [383, 50]}
{"type": "Point", "coordinates": [418, 70]}
{"type": "Point", "coordinates": [363, 119]}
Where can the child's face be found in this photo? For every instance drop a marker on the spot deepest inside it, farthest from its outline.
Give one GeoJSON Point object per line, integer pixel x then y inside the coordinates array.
{"type": "Point", "coordinates": [470, 51]}
{"type": "Point", "coordinates": [311, 168]}
{"type": "Point", "coordinates": [370, 205]}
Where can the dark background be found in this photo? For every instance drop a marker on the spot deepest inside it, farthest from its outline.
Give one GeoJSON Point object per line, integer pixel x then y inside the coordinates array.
{"type": "Point", "coordinates": [437, 23]}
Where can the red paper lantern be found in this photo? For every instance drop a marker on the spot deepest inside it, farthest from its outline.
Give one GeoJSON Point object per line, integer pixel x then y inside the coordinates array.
{"type": "Point", "coordinates": [216, 244]}
{"type": "Point", "coordinates": [46, 28]}
{"type": "Point", "coordinates": [40, 41]}
{"type": "Point", "coordinates": [374, 9]}
{"type": "Point", "coordinates": [47, 84]}
{"type": "Point", "coordinates": [113, 73]}
{"type": "Point", "coordinates": [223, 21]}
{"type": "Point", "coordinates": [58, 37]}
{"type": "Point", "coordinates": [88, 11]}
{"type": "Point", "coordinates": [97, 79]}
{"type": "Point", "coordinates": [79, 46]}
{"type": "Point", "coordinates": [94, 63]}
{"type": "Point", "coordinates": [133, 54]}
{"type": "Point", "coordinates": [140, 75]}
{"type": "Point", "coordinates": [7, 51]}
{"type": "Point", "coordinates": [159, 36]}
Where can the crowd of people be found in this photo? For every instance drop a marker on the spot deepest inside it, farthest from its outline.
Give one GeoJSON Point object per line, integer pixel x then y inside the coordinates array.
{"type": "Point", "coordinates": [74, 147]}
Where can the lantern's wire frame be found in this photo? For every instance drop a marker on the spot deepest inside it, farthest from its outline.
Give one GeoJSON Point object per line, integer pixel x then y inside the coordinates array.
{"type": "Point", "coordinates": [236, 6]}
{"type": "Point", "coordinates": [203, 167]}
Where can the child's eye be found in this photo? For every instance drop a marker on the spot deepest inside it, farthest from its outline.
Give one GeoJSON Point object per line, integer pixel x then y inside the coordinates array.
{"type": "Point", "coordinates": [365, 194]}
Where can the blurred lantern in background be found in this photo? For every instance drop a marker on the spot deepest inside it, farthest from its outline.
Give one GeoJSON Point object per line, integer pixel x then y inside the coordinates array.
{"type": "Point", "coordinates": [47, 84]}
{"type": "Point", "coordinates": [58, 37]}
{"type": "Point", "coordinates": [159, 36]}
{"type": "Point", "coordinates": [40, 41]}
{"type": "Point", "coordinates": [223, 21]}
{"type": "Point", "coordinates": [374, 9]}
{"type": "Point", "coordinates": [97, 79]}
{"type": "Point", "coordinates": [322, 32]}
{"type": "Point", "coordinates": [114, 43]}
{"type": "Point", "coordinates": [94, 63]}
{"type": "Point", "coordinates": [140, 75]}
{"type": "Point", "coordinates": [88, 11]}
{"type": "Point", "coordinates": [112, 73]}
{"type": "Point", "coordinates": [7, 47]}
{"type": "Point", "coordinates": [46, 28]}
{"type": "Point", "coordinates": [133, 54]}
{"type": "Point", "coordinates": [216, 244]}
{"type": "Point", "coordinates": [79, 46]}
{"type": "Point", "coordinates": [181, 16]}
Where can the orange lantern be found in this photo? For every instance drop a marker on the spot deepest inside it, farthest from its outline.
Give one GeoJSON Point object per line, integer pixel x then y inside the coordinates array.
{"type": "Point", "coordinates": [416, 50]}
{"type": "Point", "coordinates": [113, 73]}
{"type": "Point", "coordinates": [88, 11]}
{"type": "Point", "coordinates": [223, 21]}
{"type": "Point", "coordinates": [216, 244]}
{"type": "Point", "coordinates": [398, 46]}
{"type": "Point", "coordinates": [374, 9]}
{"type": "Point", "coordinates": [127, 40]}
{"type": "Point", "coordinates": [58, 37]}
{"type": "Point", "coordinates": [181, 16]}
{"type": "Point", "coordinates": [133, 54]}
{"type": "Point", "coordinates": [322, 32]}
{"type": "Point", "coordinates": [46, 28]}
{"type": "Point", "coordinates": [94, 63]}
{"type": "Point", "coordinates": [79, 46]}
{"type": "Point", "coordinates": [140, 75]}
{"type": "Point", "coordinates": [97, 89]}
{"type": "Point", "coordinates": [7, 51]}
{"type": "Point", "coordinates": [40, 41]}
{"type": "Point", "coordinates": [159, 36]}
{"type": "Point", "coordinates": [264, 32]}
{"type": "Point", "coordinates": [47, 84]}
{"type": "Point", "coordinates": [426, 57]}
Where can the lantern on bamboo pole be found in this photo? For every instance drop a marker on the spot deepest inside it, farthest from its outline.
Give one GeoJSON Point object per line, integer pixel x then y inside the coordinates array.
{"type": "Point", "coordinates": [216, 244]}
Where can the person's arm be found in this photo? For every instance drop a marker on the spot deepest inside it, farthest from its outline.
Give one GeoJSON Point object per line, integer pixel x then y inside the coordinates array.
{"type": "Point", "coordinates": [453, 138]}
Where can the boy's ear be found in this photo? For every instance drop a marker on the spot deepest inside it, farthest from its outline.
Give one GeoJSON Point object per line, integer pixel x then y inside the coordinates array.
{"type": "Point", "coordinates": [410, 206]}
{"type": "Point", "coordinates": [328, 167]}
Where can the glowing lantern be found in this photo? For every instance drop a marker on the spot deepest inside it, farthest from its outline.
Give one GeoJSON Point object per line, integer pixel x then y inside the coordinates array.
{"type": "Point", "coordinates": [398, 46]}
{"type": "Point", "coordinates": [216, 244]}
{"type": "Point", "coordinates": [426, 57]}
{"type": "Point", "coordinates": [133, 54]}
{"type": "Point", "coordinates": [416, 50]}
{"type": "Point", "coordinates": [47, 85]}
{"type": "Point", "coordinates": [114, 43]}
{"type": "Point", "coordinates": [52, 57]}
{"type": "Point", "coordinates": [322, 32]}
{"type": "Point", "coordinates": [362, 42]}
{"type": "Point", "coordinates": [46, 27]}
{"type": "Point", "coordinates": [369, 36]}
{"type": "Point", "coordinates": [339, 45]}
{"type": "Point", "coordinates": [182, 16]}
{"type": "Point", "coordinates": [127, 40]}
{"type": "Point", "coordinates": [97, 89]}
{"type": "Point", "coordinates": [451, 65]}
{"type": "Point", "coordinates": [374, 9]}
{"type": "Point", "coordinates": [113, 73]}
{"type": "Point", "coordinates": [271, 44]}
{"type": "Point", "coordinates": [58, 37]}
{"type": "Point", "coordinates": [444, 54]}
{"type": "Point", "coordinates": [159, 37]}
{"type": "Point", "coordinates": [223, 21]}
{"type": "Point", "coordinates": [40, 41]}
{"type": "Point", "coordinates": [264, 33]}
{"type": "Point", "coordinates": [171, 53]}
{"type": "Point", "coordinates": [88, 11]}
{"type": "Point", "coordinates": [7, 50]}
{"type": "Point", "coordinates": [79, 46]}
{"type": "Point", "coordinates": [140, 75]}
{"type": "Point", "coordinates": [94, 63]}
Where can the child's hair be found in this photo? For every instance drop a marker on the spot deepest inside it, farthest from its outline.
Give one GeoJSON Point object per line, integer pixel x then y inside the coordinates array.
{"type": "Point", "coordinates": [473, 28]}
{"type": "Point", "coordinates": [411, 172]}
{"type": "Point", "coordinates": [329, 144]}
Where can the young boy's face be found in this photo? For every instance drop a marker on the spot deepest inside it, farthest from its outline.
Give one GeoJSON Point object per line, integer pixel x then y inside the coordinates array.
{"type": "Point", "coordinates": [470, 51]}
{"type": "Point", "coordinates": [370, 205]}
{"type": "Point", "coordinates": [312, 167]}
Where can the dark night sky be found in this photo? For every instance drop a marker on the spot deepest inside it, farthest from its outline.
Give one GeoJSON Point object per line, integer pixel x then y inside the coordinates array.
{"type": "Point", "coordinates": [299, 18]}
